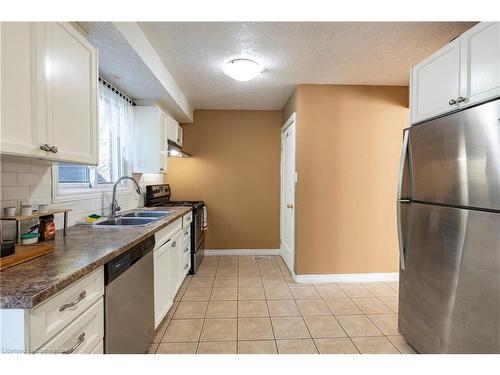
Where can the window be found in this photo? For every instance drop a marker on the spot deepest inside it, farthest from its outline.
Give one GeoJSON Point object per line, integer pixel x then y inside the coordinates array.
{"type": "Point", "coordinates": [115, 145]}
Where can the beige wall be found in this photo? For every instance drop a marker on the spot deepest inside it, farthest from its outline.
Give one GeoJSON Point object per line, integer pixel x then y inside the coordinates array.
{"type": "Point", "coordinates": [235, 169]}
{"type": "Point", "coordinates": [348, 143]}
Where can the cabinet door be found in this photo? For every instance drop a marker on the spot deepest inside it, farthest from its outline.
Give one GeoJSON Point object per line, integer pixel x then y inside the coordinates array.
{"type": "Point", "coordinates": [163, 285]}
{"type": "Point", "coordinates": [480, 62]}
{"type": "Point", "coordinates": [23, 131]}
{"type": "Point", "coordinates": [434, 82]}
{"type": "Point", "coordinates": [179, 135]}
{"type": "Point", "coordinates": [71, 93]}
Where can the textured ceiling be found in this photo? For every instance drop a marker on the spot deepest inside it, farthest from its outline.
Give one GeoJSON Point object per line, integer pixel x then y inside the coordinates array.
{"type": "Point", "coordinates": [369, 53]}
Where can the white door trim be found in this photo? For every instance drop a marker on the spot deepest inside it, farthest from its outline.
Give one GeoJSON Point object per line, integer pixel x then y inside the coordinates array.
{"type": "Point", "coordinates": [291, 120]}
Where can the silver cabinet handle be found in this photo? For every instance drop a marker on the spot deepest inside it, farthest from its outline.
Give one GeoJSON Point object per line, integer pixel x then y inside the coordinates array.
{"type": "Point", "coordinates": [186, 266]}
{"type": "Point", "coordinates": [79, 342]}
{"type": "Point", "coordinates": [71, 304]}
{"type": "Point", "coordinates": [174, 244]}
{"type": "Point", "coordinates": [45, 147]}
{"type": "Point", "coordinates": [54, 149]}
{"type": "Point", "coordinates": [452, 102]}
{"type": "Point", "coordinates": [461, 99]}
{"type": "Point", "coordinates": [403, 201]}
{"type": "Point", "coordinates": [289, 205]}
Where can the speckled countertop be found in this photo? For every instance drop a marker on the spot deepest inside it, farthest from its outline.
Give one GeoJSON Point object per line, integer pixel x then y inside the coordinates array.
{"type": "Point", "coordinates": [83, 250]}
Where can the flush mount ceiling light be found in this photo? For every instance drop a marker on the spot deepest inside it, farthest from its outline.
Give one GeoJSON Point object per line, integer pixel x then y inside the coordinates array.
{"type": "Point", "coordinates": [242, 69]}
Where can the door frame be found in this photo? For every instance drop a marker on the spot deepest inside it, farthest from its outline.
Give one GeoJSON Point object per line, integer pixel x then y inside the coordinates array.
{"type": "Point", "coordinates": [290, 122]}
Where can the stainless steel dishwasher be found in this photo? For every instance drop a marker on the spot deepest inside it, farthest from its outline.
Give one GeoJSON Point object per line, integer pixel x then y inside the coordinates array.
{"type": "Point", "coordinates": [129, 300]}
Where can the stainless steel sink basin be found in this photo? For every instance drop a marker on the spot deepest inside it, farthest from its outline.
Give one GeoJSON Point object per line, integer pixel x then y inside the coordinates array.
{"type": "Point", "coordinates": [129, 221]}
{"type": "Point", "coordinates": [155, 214]}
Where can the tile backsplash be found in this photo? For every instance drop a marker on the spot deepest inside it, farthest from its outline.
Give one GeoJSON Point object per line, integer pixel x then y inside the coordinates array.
{"type": "Point", "coordinates": [31, 180]}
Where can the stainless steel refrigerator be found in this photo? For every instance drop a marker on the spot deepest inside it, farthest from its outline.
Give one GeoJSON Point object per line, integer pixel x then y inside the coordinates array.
{"type": "Point", "coordinates": [448, 209]}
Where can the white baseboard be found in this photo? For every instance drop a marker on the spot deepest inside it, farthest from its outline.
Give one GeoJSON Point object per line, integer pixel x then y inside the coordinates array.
{"type": "Point", "coordinates": [346, 278]}
{"type": "Point", "coordinates": [219, 252]}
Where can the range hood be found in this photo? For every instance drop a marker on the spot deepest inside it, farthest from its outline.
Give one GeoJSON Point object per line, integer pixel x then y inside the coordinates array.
{"type": "Point", "coordinates": [176, 151]}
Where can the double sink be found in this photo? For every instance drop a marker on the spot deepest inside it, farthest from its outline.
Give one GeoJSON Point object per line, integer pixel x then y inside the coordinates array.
{"type": "Point", "coordinates": [135, 218]}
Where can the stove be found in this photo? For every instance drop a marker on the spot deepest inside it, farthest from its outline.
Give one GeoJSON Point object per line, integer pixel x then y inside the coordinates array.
{"type": "Point", "coordinates": [159, 196]}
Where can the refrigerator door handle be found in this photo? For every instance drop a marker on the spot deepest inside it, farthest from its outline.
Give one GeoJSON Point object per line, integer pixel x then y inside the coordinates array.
{"type": "Point", "coordinates": [403, 245]}
{"type": "Point", "coordinates": [400, 200]}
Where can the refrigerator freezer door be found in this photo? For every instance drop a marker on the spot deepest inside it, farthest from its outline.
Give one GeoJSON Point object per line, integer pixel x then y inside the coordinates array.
{"type": "Point", "coordinates": [456, 159]}
{"type": "Point", "coordinates": [450, 290]}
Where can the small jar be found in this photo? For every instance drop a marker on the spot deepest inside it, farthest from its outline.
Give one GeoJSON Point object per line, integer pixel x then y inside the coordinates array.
{"type": "Point", "coordinates": [26, 210]}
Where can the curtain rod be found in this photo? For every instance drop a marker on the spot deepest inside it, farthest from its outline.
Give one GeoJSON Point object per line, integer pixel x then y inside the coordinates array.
{"type": "Point", "coordinates": [116, 91]}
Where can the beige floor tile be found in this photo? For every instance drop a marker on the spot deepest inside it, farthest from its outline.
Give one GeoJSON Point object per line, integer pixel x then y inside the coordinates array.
{"type": "Point", "coordinates": [381, 290]}
{"type": "Point", "coordinates": [393, 284]}
{"type": "Point", "coordinates": [172, 310]}
{"type": "Point", "coordinates": [338, 345]}
{"type": "Point", "coordinates": [224, 294]}
{"type": "Point", "coordinates": [400, 343]}
{"type": "Point", "coordinates": [152, 348]}
{"type": "Point", "coordinates": [342, 306]}
{"type": "Point", "coordinates": [161, 330]}
{"type": "Point", "coordinates": [358, 325]}
{"type": "Point", "coordinates": [280, 292]}
{"type": "Point", "coordinates": [355, 290]}
{"type": "Point", "coordinates": [196, 294]}
{"type": "Point", "coordinates": [371, 305]}
{"type": "Point", "coordinates": [191, 310]}
{"type": "Point", "coordinates": [257, 347]}
{"type": "Point", "coordinates": [226, 282]}
{"type": "Point", "coordinates": [249, 282]}
{"type": "Point", "coordinates": [374, 345]}
{"type": "Point", "coordinates": [219, 330]}
{"type": "Point", "coordinates": [252, 270]}
{"type": "Point", "coordinates": [286, 307]}
{"type": "Point", "coordinates": [252, 309]}
{"type": "Point", "coordinates": [211, 260]}
{"type": "Point", "coordinates": [251, 294]}
{"type": "Point", "coordinates": [289, 280]}
{"type": "Point", "coordinates": [324, 326]}
{"type": "Point", "coordinates": [255, 329]}
{"type": "Point", "coordinates": [183, 330]}
{"type": "Point", "coordinates": [177, 348]}
{"type": "Point", "coordinates": [391, 302]}
{"type": "Point", "coordinates": [304, 292]}
{"type": "Point", "coordinates": [217, 347]}
{"type": "Point", "coordinates": [303, 346]}
{"type": "Point", "coordinates": [202, 282]}
{"type": "Point", "coordinates": [289, 328]}
{"type": "Point", "coordinates": [310, 307]}
{"type": "Point", "coordinates": [179, 294]}
{"type": "Point", "coordinates": [387, 323]}
{"type": "Point", "coordinates": [206, 271]}
{"type": "Point", "coordinates": [330, 291]}
{"type": "Point", "coordinates": [222, 309]}
{"type": "Point", "coordinates": [186, 281]}
{"type": "Point", "coordinates": [273, 281]}
{"type": "Point", "coordinates": [269, 269]}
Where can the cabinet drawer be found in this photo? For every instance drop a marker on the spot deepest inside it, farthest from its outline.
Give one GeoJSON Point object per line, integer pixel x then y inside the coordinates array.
{"type": "Point", "coordinates": [165, 234]}
{"type": "Point", "coordinates": [187, 219]}
{"type": "Point", "coordinates": [57, 312]}
{"type": "Point", "coordinates": [81, 336]}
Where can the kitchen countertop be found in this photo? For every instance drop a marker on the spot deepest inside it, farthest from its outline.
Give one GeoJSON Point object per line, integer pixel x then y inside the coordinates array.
{"type": "Point", "coordinates": [83, 250]}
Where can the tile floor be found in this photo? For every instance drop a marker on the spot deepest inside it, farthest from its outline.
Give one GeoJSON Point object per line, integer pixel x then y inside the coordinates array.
{"type": "Point", "coordinates": [238, 304]}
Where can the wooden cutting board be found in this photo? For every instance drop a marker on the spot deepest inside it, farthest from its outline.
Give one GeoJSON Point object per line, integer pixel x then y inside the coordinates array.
{"type": "Point", "coordinates": [24, 253]}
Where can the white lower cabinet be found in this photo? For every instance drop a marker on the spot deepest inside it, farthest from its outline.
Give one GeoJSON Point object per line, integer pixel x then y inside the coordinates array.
{"type": "Point", "coordinates": [168, 276]}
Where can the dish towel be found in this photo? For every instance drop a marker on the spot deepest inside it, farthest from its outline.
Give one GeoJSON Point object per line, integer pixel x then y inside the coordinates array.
{"type": "Point", "coordinates": [204, 221]}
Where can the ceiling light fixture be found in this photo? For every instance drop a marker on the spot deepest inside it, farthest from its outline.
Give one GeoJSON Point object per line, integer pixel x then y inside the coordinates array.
{"type": "Point", "coordinates": [242, 69]}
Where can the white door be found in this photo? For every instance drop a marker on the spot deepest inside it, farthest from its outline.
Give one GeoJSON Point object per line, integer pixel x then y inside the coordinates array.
{"type": "Point", "coordinates": [288, 180]}
{"type": "Point", "coordinates": [435, 83]}
{"type": "Point", "coordinates": [480, 63]}
{"type": "Point", "coordinates": [23, 131]}
{"type": "Point", "coordinates": [71, 90]}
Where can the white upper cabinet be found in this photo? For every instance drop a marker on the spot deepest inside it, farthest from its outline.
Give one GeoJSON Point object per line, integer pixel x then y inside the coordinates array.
{"type": "Point", "coordinates": [480, 59]}
{"type": "Point", "coordinates": [434, 82]}
{"type": "Point", "coordinates": [23, 132]}
{"type": "Point", "coordinates": [71, 92]}
{"type": "Point", "coordinates": [150, 140]}
{"type": "Point", "coordinates": [463, 73]}
{"type": "Point", "coordinates": [49, 93]}
{"type": "Point", "coordinates": [174, 131]}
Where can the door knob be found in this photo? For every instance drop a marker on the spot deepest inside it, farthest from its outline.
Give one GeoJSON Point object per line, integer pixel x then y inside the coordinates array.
{"type": "Point", "coordinates": [452, 102]}
{"type": "Point", "coordinates": [289, 205]}
{"type": "Point", "coordinates": [461, 99]}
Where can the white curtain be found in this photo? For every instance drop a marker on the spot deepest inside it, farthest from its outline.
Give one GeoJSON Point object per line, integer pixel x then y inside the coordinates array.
{"type": "Point", "coordinates": [116, 135]}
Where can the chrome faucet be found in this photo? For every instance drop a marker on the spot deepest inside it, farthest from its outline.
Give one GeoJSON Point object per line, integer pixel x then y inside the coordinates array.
{"type": "Point", "coordinates": [114, 204]}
